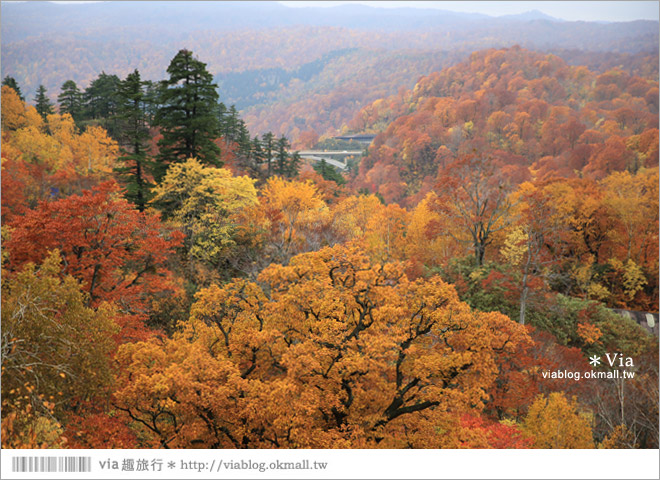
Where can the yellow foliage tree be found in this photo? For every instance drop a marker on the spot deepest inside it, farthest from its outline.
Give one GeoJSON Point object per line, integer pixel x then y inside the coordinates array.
{"type": "Point", "coordinates": [423, 244]}
{"type": "Point", "coordinates": [352, 214]}
{"type": "Point", "coordinates": [53, 157]}
{"type": "Point", "coordinates": [205, 202]}
{"type": "Point", "coordinates": [620, 437]}
{"type": "Point", "coordinates": [297, 213]}
{"type": "Point", "coordinates": [557, 422]}
{"type": "Point", "coordinates": [13, 110]}
{"type": "Point", "coordinates": [35, 146]}
{"type": "Point", "coordinates": [55, 351]}
{"type": "Point", "coordinates": [515, 246]}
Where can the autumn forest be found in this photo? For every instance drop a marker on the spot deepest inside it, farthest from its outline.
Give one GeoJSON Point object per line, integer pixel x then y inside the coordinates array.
{"type": "Point", "coordinates": [178, 273]}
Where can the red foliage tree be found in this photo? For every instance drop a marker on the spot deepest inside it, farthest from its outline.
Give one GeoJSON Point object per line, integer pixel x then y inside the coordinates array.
{"type": "Point", "coordinates": [117, 253]}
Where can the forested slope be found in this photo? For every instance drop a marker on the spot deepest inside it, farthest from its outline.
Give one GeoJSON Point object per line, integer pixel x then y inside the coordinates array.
{"type": "Point", "coordinates": [173, 278]}
{"type": "Point", "coordinates": [395, 47]}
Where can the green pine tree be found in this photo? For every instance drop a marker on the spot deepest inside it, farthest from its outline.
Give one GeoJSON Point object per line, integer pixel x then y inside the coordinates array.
{"type": "Point", "coordinates": [282, 156]}
{"type": "Point", "coordinates": [268, 143]}
{"type": "Point", "coordinates": [133, 137]}
{"type": "Point", "coordinates": [223, 123]}
{"type": "Point", "coordinates": [151, 99]}
{"type": "Point", "coordinates": [70, 100]}
{"type": "Point", "coordinates": [187, 114]}
{"type": "Point", "coordinates": [100, 102]}
{"type": "Point", "coordinates": [233, 123]}
{"type": "Point", "coordinates": [101, 96]}
{"type": "Point", "coordinates": [294, 165]}
{"type": "Point", "coordinates": [328, 172]}
{"type": "Point", "coordinates": [257, 156]}
{"type": "Point", "coordinates": [243, 140]}
{"type": "Point", "coordinates": [11, 82]}
{"type": "Point", "coordinates": [43, 104]}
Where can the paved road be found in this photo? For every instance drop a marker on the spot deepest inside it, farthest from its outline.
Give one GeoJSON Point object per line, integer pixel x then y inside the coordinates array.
{"type": "Point", "coordinates": [330, 152]}
{"type": "Point", "coordinates": [329, 161]}
{"type": "Point", "coordinates": [318, 155]}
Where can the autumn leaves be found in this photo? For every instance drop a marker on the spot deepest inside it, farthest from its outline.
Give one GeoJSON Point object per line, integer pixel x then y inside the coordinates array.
{"type": "Point", "coordinates": [331, 350]}
{"type": "Point", "coordinates": [228, 311]}
{"type": "Point", "coordinates": [534, 115]}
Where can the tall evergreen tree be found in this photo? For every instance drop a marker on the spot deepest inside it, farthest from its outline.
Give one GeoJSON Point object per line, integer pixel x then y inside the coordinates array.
{"type": "Point", "coordinates": [258, 156]}
{"type": "Point", "coordinates": [328, 172]}
{"type": "Point", "coordinates": [243, 140]}
{"type": "Point", "coordinates": [42, 103]}
{"type": "Point", "coordinates": [151, 99]}
{"type": "Point", "coordinates": [293, 168]}
{"type": "Point", "coordinates": [268, 143]}
{"type": "Point", "coordinates": [223, 123]}
{"type": "Point", "coordinates": [186, 115]}
{"type": "Point", "coordinates": [233, 123]}
{"type": "Point", "coordinates": [101, 96]}
{"type": "Point", "coordinates": [133, 133]}
{"type": "Point", "coordinates": [282, 156]}
{"type": "Point", "coordinates": [70, 100]}
{"type": "Point", "coordinates": [100, 101]}
{"type": "Point", "coordinates": [11, 82]}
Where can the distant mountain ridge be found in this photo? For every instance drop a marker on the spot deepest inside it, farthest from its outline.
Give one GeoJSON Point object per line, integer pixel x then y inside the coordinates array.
{"type": "Point", "coordinates": [531, 15]}
{"type": "Point", "coordinates": [255, 49]}
{"type": "Point", "coordinates": [47, 17]}
{"type": "Point", "coordinates": [23, 20]}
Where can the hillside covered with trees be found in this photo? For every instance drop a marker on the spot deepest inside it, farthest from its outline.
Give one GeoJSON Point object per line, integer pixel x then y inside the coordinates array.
{"type": "Point", "coordinates": [174, 278]}
{"type": "Point", "coordinates": [294, 70]}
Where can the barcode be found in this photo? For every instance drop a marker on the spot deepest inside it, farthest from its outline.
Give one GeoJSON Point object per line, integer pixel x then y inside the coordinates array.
{"type": "Point", "coordinates": [51, 464]}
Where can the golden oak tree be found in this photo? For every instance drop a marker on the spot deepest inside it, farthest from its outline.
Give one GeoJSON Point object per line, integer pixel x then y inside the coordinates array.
{"type": "Point", "coordinates": [331, 350]}
{"type": "Point", "coordinates": [424, 245]}
{"type": "Point", "coordinates": [51, 159]}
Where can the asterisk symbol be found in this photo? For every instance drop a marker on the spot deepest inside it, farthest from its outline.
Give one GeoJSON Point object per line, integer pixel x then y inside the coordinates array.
{"type": "Point", "coordinates": [594, 361]}
{"type": "Point", "coordinates": [171, 464]}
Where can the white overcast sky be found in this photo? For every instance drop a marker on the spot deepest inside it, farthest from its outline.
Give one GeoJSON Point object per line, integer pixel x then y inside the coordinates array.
{"type": "Point", "coordinates": [596, 10]}
{"type": "Point", "coordinates": [566, 10]}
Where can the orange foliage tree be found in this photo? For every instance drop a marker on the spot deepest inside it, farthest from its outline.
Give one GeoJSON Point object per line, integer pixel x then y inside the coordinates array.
{"type": "Point", "coordinates": [295, 211]}
{"type": "Point", "coordinates": [329, 351]}
{"type": "Point", "coordinates": [473, 197]}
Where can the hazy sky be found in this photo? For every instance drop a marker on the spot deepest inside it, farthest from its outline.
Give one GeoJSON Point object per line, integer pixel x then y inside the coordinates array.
{"type": "Point", "coordinates": [566, 10]}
